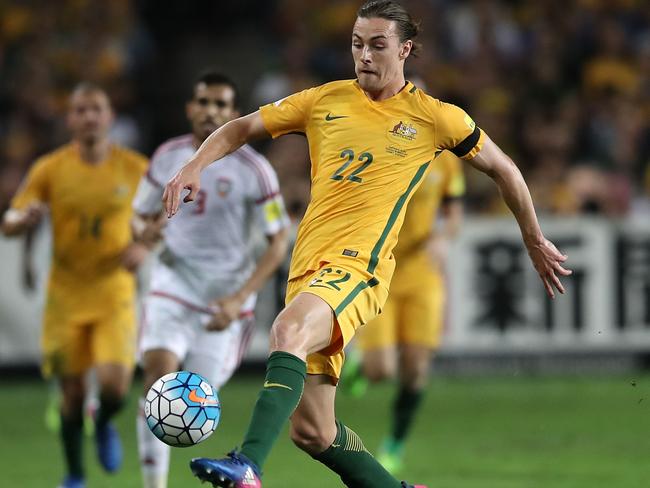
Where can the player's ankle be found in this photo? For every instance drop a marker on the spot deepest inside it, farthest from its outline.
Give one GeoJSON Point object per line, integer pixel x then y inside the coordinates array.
{"type": "Point", "coordinates": [392, 445]}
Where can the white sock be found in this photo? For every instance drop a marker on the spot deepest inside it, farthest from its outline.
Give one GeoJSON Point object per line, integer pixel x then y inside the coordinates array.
{"type": "Point", "coordinates": [154, 454]}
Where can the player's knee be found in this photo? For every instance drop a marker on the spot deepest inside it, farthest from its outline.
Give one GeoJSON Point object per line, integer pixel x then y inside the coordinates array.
{"type": "Point", "coordinates": [151, 375]}
{"type": "Point", "coordinates": [72, 401]}
{"type": "Point", "coordinates": [147, 381]}
{"type": "Point", "coordinates": [378, 372]}
{"type": "Point", "coordinates": [114, 390]}
{"type": "Point", "coordinates": [308, 437]}
{"type": "Point", "coordinates": [415, 382]}
{"type": "Point", "coordinates": [377, 375]}
{"type": "Point", "coordinates": [415, 374]}
{"type": "Point", "coordinates": [288, 335]}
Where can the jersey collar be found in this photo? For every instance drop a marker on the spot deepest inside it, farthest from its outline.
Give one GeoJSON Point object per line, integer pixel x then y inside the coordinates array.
{"type": "Point", "coordinates": [406, 90]}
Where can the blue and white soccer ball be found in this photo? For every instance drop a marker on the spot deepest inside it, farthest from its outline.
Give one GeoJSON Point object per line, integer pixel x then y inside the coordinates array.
{"type": "Point", "coordinates": [182, 409]}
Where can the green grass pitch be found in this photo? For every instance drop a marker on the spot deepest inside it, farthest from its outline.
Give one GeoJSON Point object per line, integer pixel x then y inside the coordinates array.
{"type": "Point", "coordinates": [472, 433]}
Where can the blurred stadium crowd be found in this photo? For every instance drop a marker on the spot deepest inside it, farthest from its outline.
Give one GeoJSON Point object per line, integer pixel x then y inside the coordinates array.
{"type": "Point", "coordinates": [562, 85]}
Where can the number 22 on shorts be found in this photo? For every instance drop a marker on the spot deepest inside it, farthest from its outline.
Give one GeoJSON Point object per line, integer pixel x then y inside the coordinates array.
{"type": "Point", "coordinates": [338, 276]}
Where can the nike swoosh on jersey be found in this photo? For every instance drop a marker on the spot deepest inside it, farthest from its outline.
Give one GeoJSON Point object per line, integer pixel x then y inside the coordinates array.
{"type": "Point", "coordinates": [329, 117]}
{"type": "Point", "coordinates": [279, 385]}
{"type": "Point", "coordinates": [193, 397]}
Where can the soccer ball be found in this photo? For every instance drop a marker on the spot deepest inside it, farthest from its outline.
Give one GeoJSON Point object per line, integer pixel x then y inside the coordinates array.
{"type": "Point", "coordinates": [182, 409]}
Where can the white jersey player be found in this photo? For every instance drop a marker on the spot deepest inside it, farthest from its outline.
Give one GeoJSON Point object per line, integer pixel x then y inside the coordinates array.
{"type": "Point", "coordinates": [199, 310]}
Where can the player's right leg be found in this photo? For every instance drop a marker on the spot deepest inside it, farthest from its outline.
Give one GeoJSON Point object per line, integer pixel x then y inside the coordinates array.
{"type": "Point", "coordinates": [112, 339]}
{"type": "Point", "coordinates": [420, 330]}
{"type": "Point", "coordinates": [154, 454]}
{"type": "Point", "coordinates": [72, 401]}
{"type": "Point", "coordinates": [307, 331]}
{"type": "Point", "coordinates": [304, 326]}
{"type": "Point", "coordinates": [66, 358]}
{"type": "Point", "coordinates": [374, 357]}
{"type": "Point", "coordinates": [377, 343]}
{"type": "Point", "coordinates": [165, 337]}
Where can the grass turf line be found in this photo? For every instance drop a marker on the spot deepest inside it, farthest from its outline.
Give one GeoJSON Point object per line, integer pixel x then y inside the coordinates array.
{"type": "Point", "coordinates": [472, 433]}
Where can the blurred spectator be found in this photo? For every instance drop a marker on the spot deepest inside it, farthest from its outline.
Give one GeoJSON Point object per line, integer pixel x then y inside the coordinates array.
{"type": "Point", "coordinates": [563, 86]}
{"type": "Point", "coordinates": [45, 49]}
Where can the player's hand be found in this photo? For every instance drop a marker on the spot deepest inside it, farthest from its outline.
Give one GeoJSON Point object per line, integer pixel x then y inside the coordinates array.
{"type": "Point", "coordinates": [548, 263]}
{"type": "Point", "coordinates": [16, 221]}
{"type": "Point", "coordinates": [134, 255]}
{"type": "Point", "coordinates": [33, 214]}
{"type": "Point", "coordinates": [152, 231]}
{"type": "Point", "coordinates": [229, 310]}
{"type": "Point", "coordinates": [437, 248]}
{"type": "Point", "coordinates": [187, 178]}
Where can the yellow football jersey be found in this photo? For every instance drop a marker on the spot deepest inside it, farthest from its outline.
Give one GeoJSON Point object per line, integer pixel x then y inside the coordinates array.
{"type": "Point", "coordinates": [368, 157]}
{"type": "Point", "coordinates": [444, 181]}
{"type": "Point", "coordinates": [90, 210]}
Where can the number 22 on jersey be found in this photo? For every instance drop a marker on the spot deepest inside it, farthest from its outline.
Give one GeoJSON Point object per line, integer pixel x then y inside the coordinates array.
{"type": "Point", "coordinates": [348, 154]}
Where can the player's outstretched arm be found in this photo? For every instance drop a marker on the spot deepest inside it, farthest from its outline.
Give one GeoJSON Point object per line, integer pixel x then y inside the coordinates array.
{"type": "Point", "coordinates": [438, 245]}
{"type": "Point", "coordinates": [226, 139]}
{"type": "Point", "coordinates": [545, 256]}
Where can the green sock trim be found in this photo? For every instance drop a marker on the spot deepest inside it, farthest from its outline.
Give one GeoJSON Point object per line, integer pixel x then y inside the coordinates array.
{"type": "Point", "coordinates": [283, 387]}
{"type": "Point", "coordinates": [279, 359]}
{"type": "Point", "coordinates": [357, 468]}
{"type": "Point", "coordinates": [392, 446]}
{"type": "Point", "coordinates": [405, 407]}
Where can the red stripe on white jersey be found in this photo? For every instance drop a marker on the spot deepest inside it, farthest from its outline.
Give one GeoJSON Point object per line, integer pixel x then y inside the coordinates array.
{"type": "Point", "coordinates": [152, 180]}
{"type": "Point", "coordinates": [259, 166]}
{"type": "Point", "coordinates": [246, 336]}
{"type": "Point", "coordinates": [171, 144]}
{"type": "Point", "coordinates": [267, 198]}
{"type": "Point", "coordinates": [194, 307]}
{"type": "Point", "coordinates": [164, 148]}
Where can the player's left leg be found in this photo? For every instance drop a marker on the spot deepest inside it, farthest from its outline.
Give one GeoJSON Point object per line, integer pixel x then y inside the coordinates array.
{"type": "Point", "coordinates": [66, 358]}
{"type": "Point", "coordinates": [420, 330]}
{"type": "Point", "coordinates": [154, 454]}
{"type": "Point", "coordinates": [414, 371]}
{"type": "Point", "coordinates": [113, 352]}
{"type": "Point", "coordinates": [114, 380]}
{"type": "Point", "coordinates": [72, 399]}
{"type": "Point", "coordinates": [377, 342]}
{"type": "Point", "coordinates": [373, 357]}
{"type": "Point", "coordinates": [315, 430]}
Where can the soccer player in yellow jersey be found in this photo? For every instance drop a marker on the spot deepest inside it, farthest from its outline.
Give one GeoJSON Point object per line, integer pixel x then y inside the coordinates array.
{"type": "Point", "coordinates": [372, 140]}
{"type": "Point", "coordinates": [89, 320]}
{"type": "Point", "coordinates": [403, 337]}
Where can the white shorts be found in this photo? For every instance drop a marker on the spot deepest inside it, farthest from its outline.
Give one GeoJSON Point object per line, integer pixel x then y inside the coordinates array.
{"type": "Point", "coordinates": [171, 323]}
